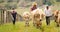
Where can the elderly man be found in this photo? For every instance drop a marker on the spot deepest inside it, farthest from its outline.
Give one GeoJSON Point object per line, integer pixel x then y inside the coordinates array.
{"type": "Point", "coordinates": [34, 6]}
{"type": "Point", "coordinates": [48, 13]}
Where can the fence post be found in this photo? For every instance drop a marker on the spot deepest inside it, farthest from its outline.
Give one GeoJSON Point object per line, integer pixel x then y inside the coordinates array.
{"type": "Point", "coordinates": [4, 16]}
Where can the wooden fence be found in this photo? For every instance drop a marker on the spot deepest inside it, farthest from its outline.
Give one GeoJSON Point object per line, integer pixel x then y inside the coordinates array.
{"type": "Point", "coordinates": [6, 17]}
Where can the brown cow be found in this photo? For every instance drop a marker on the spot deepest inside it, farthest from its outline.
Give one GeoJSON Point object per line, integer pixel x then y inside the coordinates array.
{"type": "Point", "coordinates": [58, 20]}
{"type": "Point", "coordinates": [57, 17]}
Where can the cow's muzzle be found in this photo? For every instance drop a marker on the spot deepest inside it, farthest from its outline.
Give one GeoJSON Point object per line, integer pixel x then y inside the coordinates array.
{"type": "Point", "coordinates": [40, 20]}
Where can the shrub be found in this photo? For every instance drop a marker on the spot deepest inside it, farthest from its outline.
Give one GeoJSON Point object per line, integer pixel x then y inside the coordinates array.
{"type": "Point", "coordinates": [9, 6]}
{"type": "Point", "coordinates": [1, 1]}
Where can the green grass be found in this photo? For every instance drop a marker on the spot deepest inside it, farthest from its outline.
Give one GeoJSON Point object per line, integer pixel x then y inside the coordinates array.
{"type": "Point", "coordinates": [20, 27]}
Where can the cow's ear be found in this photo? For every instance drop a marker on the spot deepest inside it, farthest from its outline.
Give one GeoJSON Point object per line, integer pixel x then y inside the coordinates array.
{"type": "Point", "coordinates": [43, 15]}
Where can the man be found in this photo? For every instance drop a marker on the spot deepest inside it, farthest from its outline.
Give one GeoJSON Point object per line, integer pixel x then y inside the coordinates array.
{"type": "Point", "coordinates": [14, 15]}
{"type": "Point", "coordinates": [34, 6]}
{"type": "Point", "coordinates": [48, 13]}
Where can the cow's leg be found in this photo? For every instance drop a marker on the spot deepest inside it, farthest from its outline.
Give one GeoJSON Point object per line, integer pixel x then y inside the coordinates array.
{"type": "Point", "coordinates": [56, 17]}
{"type": "Point", "coordinates": [38, 25]}
{"type": "Point", "coordinates": [27, 23]}
{"type": "Point", "coordinates": [57, 24]}
{"type": "Point", "coordinates": [33, 21]}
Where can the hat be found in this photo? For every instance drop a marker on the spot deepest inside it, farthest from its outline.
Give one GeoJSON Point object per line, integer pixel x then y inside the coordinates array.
{"type": "Point", "coordinates": [34, 3]}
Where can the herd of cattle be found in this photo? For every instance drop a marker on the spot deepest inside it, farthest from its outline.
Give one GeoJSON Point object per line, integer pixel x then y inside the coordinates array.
{"type": "Point", "coordinates": [37, 17]}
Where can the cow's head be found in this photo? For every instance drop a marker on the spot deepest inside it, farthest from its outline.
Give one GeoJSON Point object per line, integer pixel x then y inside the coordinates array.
{"type": "Point", "coordinates": [26, 16]}
{"type": "Point", "coordinates": [38, 16]}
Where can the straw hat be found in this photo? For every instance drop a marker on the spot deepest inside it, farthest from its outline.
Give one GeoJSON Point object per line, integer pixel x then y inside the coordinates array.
{"type": "Point", "coordinates": [34, 3]}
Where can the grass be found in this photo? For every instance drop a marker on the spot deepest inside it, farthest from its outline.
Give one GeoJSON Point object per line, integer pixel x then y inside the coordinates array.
{"type": "Point", "coordinates": [20, 27]}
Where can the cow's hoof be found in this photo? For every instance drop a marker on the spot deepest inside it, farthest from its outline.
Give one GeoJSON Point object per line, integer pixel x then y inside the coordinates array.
{"type": "Point", "coordinates": [57, 25]}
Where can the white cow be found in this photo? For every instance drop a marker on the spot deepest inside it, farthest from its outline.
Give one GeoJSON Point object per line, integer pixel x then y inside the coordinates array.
{"type": "Point", "coordinates": [37, 16]}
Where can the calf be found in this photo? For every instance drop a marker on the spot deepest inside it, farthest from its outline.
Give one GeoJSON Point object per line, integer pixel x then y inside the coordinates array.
{"type": "Point", "coordinates": [26, 17]}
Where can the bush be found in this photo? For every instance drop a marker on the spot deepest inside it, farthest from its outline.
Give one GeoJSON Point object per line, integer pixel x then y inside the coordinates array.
{"type": "Point", "coordinates": [9, 6]}
{"type": "Point", "coordinates": [49, 3]}
{"type": "Point", "coordinates": [57, 0]}
{"type": "Point", "coordinates": [1, 1]}
{"type": "Point", "coordinates": [10, 0]}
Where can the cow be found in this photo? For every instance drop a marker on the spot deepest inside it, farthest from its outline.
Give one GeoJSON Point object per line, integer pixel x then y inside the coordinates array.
{"type": "Point", "coordinates": [58, 20]}
{"type": "Point", "coordinates": [57, 17]}
{"type": "Point", "coordinates": [37, 16]}
{"type": "Point", "coordinates": [26, 17]}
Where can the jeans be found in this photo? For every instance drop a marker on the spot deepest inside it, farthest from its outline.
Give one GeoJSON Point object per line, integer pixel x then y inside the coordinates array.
{"type": "Point", "coordinates": [48, 20]}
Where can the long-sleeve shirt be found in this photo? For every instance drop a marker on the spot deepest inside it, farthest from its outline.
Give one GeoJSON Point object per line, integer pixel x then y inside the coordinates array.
{"type": "Point", "coordinates": [48, 12]}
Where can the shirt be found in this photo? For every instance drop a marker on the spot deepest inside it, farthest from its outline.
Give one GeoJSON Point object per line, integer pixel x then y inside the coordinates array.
{"type": "Point", "coordinates": [48, 12]}
{"type": "Point", "coordinates": [33, 8]}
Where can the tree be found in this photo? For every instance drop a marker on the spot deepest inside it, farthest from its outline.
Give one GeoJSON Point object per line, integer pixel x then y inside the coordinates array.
{"type": "Point", "coordinates": [10, 0]}
{"type": "Point", "coordinates": [1, 1]}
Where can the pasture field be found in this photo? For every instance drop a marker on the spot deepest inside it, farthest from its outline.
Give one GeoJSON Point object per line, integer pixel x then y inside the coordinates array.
{"type": "Point", "coordinates": [20, 27]}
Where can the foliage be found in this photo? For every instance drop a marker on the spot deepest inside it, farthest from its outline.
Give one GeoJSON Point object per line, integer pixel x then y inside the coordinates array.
{"type": "Point", "coordinates": [9, 6]}
{"type": "Point", "coordinates": [58, 0]}
{"type": "Point", "coordinates": [10, 0]}
{"type": "Point", "coordinates": [20, 27]}
{"type": "Point", "coordinates": [1, 1]}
